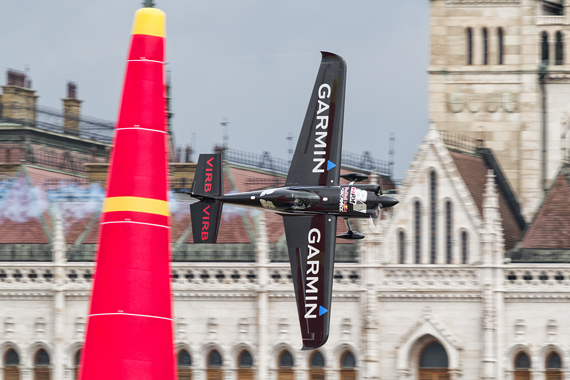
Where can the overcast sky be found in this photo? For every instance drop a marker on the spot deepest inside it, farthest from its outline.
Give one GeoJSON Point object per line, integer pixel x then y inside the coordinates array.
{"type": "Point", "coordinates": [253, 62]}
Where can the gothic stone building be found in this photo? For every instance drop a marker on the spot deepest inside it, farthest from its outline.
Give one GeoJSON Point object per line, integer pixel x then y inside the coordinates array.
{"type": "Point", "coordinates": [468, 277]}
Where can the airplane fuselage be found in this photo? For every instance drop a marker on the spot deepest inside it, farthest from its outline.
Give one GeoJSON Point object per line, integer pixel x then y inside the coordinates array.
{"type": "Point", "coordinates": [346, 201]}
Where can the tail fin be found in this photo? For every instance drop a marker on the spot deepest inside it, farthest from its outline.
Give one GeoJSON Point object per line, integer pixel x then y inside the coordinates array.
{"type": "Point", "coordinates": [208, 180]}
{"type": "Point", "coordinates": [206, 220]}
{"type": "Point", "coordinates": [208, 185]}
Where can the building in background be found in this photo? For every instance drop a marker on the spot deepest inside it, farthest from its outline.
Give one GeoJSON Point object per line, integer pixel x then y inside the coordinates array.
{"type": "Point", "coordinates": [468, 277]}
{"type": "Point", "coordinates": [499, 71]}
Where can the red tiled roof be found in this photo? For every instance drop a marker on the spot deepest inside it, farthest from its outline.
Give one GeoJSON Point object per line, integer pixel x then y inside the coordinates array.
{"type": "Point", "coordinates": [550, 228]}
{"type": "Point", "coordinates": [20, 215]}
{"type": "Point", "coordinates": [29, 231]}
{"type": "Point", "coordinates": [473, 170]}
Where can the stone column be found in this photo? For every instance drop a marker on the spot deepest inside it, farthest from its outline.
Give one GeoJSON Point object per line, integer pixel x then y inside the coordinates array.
{"type": "Point", "coordinates": [26, 373]}
{"type": "Point", "coordinates": [262, 250]}
{"type": "Point", "coordinates": [454, 374]}
{"type": "Point", "coordinates": [59, 295]}
{"type": "Point", "coordinates": [371, 253]}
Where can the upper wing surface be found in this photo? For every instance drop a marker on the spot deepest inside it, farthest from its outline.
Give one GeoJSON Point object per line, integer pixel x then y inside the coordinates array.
{"type": "Point", "coordinates": [311, 245]}
{"type": "Point", "coordinates": [316, 161]}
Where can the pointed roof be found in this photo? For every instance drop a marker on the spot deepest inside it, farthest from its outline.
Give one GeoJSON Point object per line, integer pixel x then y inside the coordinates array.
{"type": "Point", "coordinates": [547, 238]}
{"type": "Point", "coordinates": [473, 167]}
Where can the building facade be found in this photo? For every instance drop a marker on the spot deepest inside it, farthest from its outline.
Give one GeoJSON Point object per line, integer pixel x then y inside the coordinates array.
{"type": "Point", "coordinates": [499, 71]}
{"type": "Point", "coordinates": [467, 278]}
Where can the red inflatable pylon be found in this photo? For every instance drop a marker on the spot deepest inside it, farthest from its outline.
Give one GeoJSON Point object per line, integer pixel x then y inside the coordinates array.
{"type": "Point", "coordinates": [129, 330]}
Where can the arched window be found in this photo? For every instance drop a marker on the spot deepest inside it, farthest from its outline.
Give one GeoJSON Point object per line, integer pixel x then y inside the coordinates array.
{"type": "Point", "coordinates": [214, 366]}
{"type": "Point", "coordinates": [286, 364]}
{"type": "Point", "coordinates": [184, 362]}
{"type": "Point", "coordinates": [500, 43]}
{"type": "Point", "coordinates": [347, 366]}
{"type": "Point", "coordinates": [559, 49]}
{"type": "Point", "coordinates": [433, 362]}
{"type": "Point", "coordinates": [245, 363]}
{"type": "Point", "coordinates": [448, 229]}
{"type": "Point", "coordinates": [522, 367]}
{"type": "Point", "coordinates": [433, 216]}
{"type": "Point", "coordinates": [317, 371]}
{"type": "Point", "coordinates": [418, 232]}
{"type": "Point", "coordinates": [11, 363]}
{"type": "Point", "coordinates": [469, 46]}
{"type": "Point", "coordinates": [553, 367]}
{"type": "Point", "coordinates": [76, 361]}
{"type": "Point", "coordinates": [41, 368]}
{"type": "Point", "coordinates": [402, 242]}
{"type": "Point", "coordinates": [544, 48]}
{"type": "Point", "coordinates": [485, 47]}
{"type": "Point", "coordinates": [464, 245]}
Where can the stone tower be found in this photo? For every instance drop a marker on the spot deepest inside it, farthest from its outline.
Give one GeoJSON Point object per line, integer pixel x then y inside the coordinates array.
{"type": "Point", "coordinates": [500, 72]}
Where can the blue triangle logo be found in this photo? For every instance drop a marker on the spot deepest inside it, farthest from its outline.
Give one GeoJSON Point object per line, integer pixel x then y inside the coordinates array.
{"type": "Point", "coordinates": [330, 165]}
{"type": "Point", "coordinates": [322, 310]}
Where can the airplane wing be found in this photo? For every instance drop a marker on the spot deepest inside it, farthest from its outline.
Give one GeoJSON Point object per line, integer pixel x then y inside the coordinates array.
{"type": "Point", "coordinates": [317, 157]}
{"type": "Point", "coordinates": [311, 245]}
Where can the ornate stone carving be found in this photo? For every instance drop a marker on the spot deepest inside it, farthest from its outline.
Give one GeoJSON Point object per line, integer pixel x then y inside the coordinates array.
{"type": "Point", "coordinates": [346, 328]}
{"type": "Point", "coordinates": [443, 277]}
{"type": "Point", "coordinates": [510, 101]}
{"type": "Point", "coordinates": [243, 328]}
{"type": "Point", "coordinates": [212, 329]}
{"type": "Point", "coordinates": [551, 330]}
{"type": "Point", "coordinates": [79, 328]}
{"type": "Point", "coordinates": [181, 327]}
{"type": "Point", "coordinates": [492, 102]}
{"type": "Point", "coordinates": [456, 101]}
{"type": "Point", "coordinates": [283, 328]}
{"type": "Point", "coordinates": [40, 326]}
{"type": "Point", "coordinates": [9, 327]}
{"type": "Point", "coordinates": [474, 102]}
{"type": "Point", "coordinates": [520, 328]}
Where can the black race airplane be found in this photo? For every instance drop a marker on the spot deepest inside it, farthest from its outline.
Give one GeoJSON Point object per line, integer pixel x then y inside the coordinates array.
{"type": "Point", "coordinates": [310, 202]}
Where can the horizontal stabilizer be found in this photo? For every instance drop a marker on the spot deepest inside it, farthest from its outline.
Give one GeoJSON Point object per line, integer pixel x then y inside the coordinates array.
{"type": "Point", "coordinates": [205, 220]}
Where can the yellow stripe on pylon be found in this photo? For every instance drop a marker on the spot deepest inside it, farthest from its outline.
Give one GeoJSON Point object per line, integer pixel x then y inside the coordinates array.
{"type": "Point", "coordinates": [149, 21]}
{"type": "Point", "coordinates": [148, 205]}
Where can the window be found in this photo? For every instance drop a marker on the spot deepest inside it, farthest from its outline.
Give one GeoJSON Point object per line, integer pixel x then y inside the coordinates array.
{"type": "Point", "coordinates": [184, 362]}
{"type": "Point", "coordinates": [214, 371]}
{"type": "Point", "coordinates": [485, 47]}
{"type": "Point", "coordinates": [500, 43]}
{"type": "Point", "coordinates": [417, 237]}
{"type": "Point", "coordinates": [11, 363]}
{"type": "Point", "coordinates": [245, 362]}
{"type": "Point", "coordinates": [448, 230]}
{"type": "Point", "coordinates": [434, 362]}
{"type": "Point", "coordinates": [433, 217]}
{"type": "Point", "coordinates": [522, 366]}
{"type": "Point", "coordinates": [41, 369]}
{"type": "Point", "coordinates": [76, 362]}
{"type": "Point", "coordinates": [469, 46]}
{"type": "Point", "coordinates": [464, 253]}
{"type": "Point", "coordinates": [286, 364]}
{"type": "Point", "coordinates": [559, 49]}
{"type": "Point", "coordinates": [544, 48]}
{"type": "Point", "coordinates": [553, 367]}
{"type": "Point", "coordinates": [402, 238]}
{"type": "Point", "coordinates": [347, 366]}
{"type": "Point", "coordinates": [317, 371]}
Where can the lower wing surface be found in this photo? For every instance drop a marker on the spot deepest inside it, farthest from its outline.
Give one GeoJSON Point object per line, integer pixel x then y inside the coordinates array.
{"type": "Point", "coordinates": [311, 246]}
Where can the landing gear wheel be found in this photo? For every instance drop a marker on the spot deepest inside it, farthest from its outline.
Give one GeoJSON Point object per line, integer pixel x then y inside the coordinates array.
{"type": "Point", "coordinates": [350, 234]}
